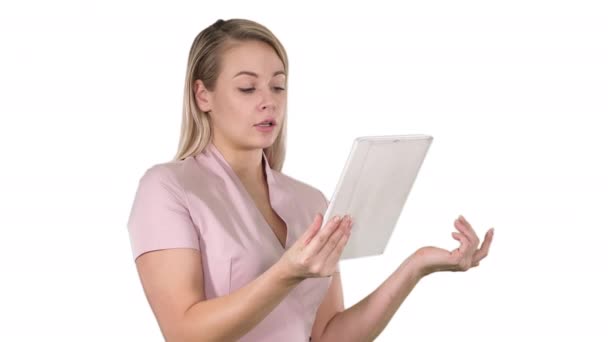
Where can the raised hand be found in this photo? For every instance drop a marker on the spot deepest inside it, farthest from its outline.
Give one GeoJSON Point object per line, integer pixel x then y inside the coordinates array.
{"type": "Point", "coordinates": [433, 259]}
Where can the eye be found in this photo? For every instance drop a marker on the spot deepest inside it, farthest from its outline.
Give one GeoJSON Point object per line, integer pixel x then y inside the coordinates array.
{"type": "Point", "coordinates": [247, 90]}
{"type": "Point", "coordinates": [278, 89]}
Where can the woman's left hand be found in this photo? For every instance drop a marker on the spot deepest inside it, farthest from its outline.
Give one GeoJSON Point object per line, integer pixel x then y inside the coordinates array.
{"type": "Point", "coordinates": [433, 259]}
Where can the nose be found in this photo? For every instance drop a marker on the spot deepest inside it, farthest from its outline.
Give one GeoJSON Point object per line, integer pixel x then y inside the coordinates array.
{"type": "Point", "coordinates": [268, 102]}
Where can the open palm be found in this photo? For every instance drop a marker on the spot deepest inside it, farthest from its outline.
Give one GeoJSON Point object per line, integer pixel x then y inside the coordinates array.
{"type": "Point", "coordinates": [467, 255]}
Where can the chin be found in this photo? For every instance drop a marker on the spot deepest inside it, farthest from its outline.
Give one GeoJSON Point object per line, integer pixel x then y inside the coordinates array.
{"type": "Point", "coordinates": [261, 143]}
{"type": "Point", "coordinates": [267, 144]}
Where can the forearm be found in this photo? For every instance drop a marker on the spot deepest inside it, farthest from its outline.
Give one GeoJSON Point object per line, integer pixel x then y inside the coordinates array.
{"type": "Point", "coordinates": [365, 320]}
{"type": "Point", "coordinates": [229, 317]}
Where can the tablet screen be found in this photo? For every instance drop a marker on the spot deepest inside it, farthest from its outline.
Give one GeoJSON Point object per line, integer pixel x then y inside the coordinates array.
{"type": "Point", "coordinates": [374, 185]}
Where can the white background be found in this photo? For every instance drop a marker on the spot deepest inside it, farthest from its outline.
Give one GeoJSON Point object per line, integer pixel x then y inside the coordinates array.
{"type": "Point", "coordinates": [514, 93]}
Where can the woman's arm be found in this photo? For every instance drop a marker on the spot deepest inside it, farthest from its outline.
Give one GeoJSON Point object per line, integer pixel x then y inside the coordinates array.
{"type": "Point", "coordinates": [365, 320]}
{"type": "Point", "coordinates": [173, 283]}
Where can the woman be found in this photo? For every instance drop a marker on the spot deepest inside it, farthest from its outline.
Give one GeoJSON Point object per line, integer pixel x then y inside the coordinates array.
{"type": "Point", "coordinates": [223, 241]}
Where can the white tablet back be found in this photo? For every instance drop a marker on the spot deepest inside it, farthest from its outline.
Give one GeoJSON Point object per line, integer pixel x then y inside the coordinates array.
{"type": "Point", "coordinates": [373, 187]}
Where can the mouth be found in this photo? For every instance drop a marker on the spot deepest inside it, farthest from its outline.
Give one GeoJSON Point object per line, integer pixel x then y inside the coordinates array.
{"type": "Point", "coordinates": [267, 123]}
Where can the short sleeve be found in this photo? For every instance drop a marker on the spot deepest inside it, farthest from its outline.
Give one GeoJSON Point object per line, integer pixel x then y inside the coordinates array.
{"type": "Point", "coordinates": [159, 217]}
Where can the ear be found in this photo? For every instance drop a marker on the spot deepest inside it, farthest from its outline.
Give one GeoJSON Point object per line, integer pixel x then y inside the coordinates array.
{"type": "Point", "coordinates": [202, 96]}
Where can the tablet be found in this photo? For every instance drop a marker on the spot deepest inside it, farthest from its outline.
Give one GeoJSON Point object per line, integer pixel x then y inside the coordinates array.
{"type": "Point", "coordinates": [374, 185]}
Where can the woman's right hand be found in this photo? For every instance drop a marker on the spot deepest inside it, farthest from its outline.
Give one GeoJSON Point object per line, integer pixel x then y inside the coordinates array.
{"type": "Point", "coordinates": [317, 252]}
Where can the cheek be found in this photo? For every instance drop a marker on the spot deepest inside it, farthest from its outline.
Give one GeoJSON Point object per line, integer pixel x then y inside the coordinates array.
{"type": "Point", "coordinates": [239, 103]}
{"type": "Point", "coordinates": [233, 115]}
{"type": "Point", "coordinates": [233, 108]}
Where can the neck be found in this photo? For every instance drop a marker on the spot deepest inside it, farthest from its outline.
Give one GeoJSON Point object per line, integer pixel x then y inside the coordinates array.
{"type": "Point", "coordinates": [246, 163]}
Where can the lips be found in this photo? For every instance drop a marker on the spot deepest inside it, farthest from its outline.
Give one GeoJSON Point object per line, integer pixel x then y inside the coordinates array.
{"type": "Point", "coordinates": [267, 122]}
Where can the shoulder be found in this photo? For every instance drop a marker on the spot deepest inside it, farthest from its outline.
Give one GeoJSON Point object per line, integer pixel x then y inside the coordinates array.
{"type": "Point", "coordinates": [175, 171]}
{"type": "Point", "coordinates": [160, 173]}
{"type": "Point", "coordinates": [167, 176]}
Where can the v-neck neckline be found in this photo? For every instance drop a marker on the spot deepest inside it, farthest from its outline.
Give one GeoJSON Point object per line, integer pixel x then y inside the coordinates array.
{"type": "Point", "coordinates": [272, 195]}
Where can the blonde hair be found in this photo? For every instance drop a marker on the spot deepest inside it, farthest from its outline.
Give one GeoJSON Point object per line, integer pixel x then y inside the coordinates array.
{"type": "Point", "coordinates": [204, 63]}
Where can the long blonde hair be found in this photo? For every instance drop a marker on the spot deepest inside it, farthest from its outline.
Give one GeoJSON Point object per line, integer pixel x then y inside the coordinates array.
{"type": "Point", "coordinates": [204, 63]}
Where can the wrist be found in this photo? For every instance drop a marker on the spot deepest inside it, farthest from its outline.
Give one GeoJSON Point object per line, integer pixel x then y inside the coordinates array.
{"type": "Point", "coordinates": [418, 264]}
{"type": "Point", "coordinates": [285, 274]}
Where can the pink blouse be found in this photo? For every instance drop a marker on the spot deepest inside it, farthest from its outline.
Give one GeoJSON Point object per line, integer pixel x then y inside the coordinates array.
{"type": "Point", "coordinates": [200, 203]}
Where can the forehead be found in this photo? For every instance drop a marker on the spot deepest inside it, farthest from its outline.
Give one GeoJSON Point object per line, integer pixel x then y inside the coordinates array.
{"type": "Point", "coordinates": [254, 56]}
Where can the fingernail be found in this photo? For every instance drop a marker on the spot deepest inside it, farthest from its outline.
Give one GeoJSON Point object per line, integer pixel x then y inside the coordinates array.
{"type": "Point", "coordinates": [461, 218]}
{"type": "Point", "coordinates": [336, 218]}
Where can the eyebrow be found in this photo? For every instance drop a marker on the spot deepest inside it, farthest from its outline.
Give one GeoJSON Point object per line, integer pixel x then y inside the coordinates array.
{"type": "Point", "coordinates": [251, 73]}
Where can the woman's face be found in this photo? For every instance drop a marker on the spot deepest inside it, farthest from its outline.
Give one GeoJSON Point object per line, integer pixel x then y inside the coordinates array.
{"type": "Point", "coordinates": [250, 89]}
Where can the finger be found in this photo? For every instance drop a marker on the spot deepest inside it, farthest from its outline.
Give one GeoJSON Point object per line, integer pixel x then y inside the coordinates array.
{"type": "Point", "coordinates": [313, 229]}
{"type": "Point", "coordinates": [465, 245]}
{"type": "Point", "coordinates": [461, 228]}
{"type": "Point", "coordinates": [464, 241]}
{"type": "Point", "coordinates": [467, 230]}
{"type": "Point", "coordinates": [334, 256]}
{"type": "Point", "coordinates": [459, 252]}
{"type": "Point", "coordinates": [319, 240]}
{"type": "Point", "coordinates": [473, 233]}
{"type": "Point", "coordinates": [334, 240]}
{"type": "Point", "coordinates": [461, 257]}
{"type": "Point", "coordinates": [483, 251]}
